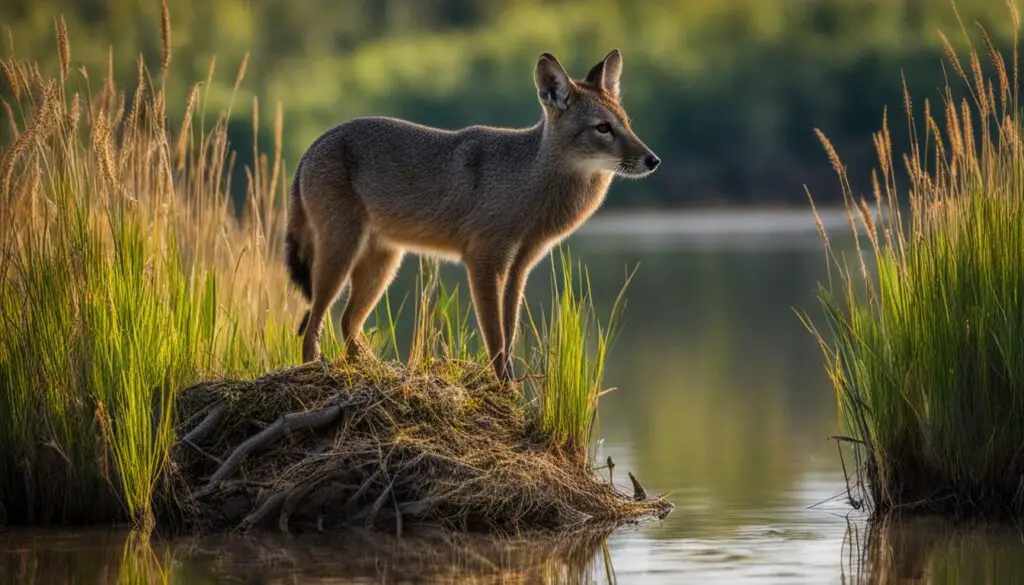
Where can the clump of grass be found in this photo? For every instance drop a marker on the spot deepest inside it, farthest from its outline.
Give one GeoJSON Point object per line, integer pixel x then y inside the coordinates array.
{"type": "Point", "coordinates": [570, 348]}
{"type": "Point", "coordinates": [924, 331]}
{"type": "Point", "coordinates": [124, 275]}
{"type": "Point", "coordinates": [566, 350]}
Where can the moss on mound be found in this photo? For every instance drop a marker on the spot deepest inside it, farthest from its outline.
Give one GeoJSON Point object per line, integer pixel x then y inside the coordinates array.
{"type": "Point", "coordinates": [324, 446]}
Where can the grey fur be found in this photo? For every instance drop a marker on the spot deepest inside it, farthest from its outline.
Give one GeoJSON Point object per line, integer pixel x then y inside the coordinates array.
{"type": "Point", "coordinates": [496, 199]}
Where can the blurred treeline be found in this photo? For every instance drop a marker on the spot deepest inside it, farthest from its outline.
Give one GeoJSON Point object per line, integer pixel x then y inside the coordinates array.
{"type": "Point", "coordinates": [726, 91]}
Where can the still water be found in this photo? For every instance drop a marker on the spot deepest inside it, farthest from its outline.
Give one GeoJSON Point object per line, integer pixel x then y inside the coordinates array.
{"type": "Point", "coordinates": [721, 402]}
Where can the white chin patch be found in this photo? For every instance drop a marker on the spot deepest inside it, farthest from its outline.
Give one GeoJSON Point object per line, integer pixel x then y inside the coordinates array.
{"type": "Point", "coordinates": [598, 165]}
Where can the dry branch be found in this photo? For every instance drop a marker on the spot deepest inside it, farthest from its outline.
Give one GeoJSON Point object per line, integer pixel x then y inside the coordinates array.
{"type": "Point", "coordinates": [273, 502]}
{"type": "Point", "coordinates": [288, 423]}
{"type": "Point", "coordinates": [209, 423]}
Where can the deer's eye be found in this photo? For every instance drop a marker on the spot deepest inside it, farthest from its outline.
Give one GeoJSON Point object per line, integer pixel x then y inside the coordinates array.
{"type": "Point", "coordinates": [603, 127]}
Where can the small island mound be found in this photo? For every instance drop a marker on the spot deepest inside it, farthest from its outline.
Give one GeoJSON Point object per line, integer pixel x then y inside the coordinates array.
{"type": "Point", "coordinates": [323, 446]}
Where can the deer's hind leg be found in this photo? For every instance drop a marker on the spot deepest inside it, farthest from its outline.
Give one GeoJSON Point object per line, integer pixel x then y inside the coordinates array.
{"type": "Point", "coordinates": [339, 234]}
{"type": "Point", "coordinates": [373, 272]}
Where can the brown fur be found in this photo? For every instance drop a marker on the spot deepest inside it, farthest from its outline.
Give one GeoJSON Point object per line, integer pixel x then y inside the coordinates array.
{"type": "Point", "coordinates": [496, 199]}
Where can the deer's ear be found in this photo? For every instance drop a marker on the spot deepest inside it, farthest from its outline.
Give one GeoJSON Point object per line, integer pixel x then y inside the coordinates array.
{"type": "Point", "coordinates": [606, 74]}
{"type": "Point", "coordinates": [552, 82]}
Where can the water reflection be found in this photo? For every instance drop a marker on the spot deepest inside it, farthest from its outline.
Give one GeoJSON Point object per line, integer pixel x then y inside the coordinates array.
{"type": "Point", "coordinates": [935, 552]}
{"type": "Point", "coordinates": [38, 557]}
{"type": "Point", "coordinates": [721, 387]}
{"type": "Point", "coordinates": [791, 549]}
{"type": "Point", "coordinates": [70, 557]}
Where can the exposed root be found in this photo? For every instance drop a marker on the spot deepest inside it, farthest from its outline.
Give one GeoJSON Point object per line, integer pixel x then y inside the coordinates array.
{"type": "Point", "coordinates": [200, 432]}
{"type": "Point", "coordinates": [202, 451]}
{"type": "Point", "coordinates": [381, 448]}
{"type": "Point", "coordinates": [269, 505]}
{"type": "Point", "coordinates": [288, 423]}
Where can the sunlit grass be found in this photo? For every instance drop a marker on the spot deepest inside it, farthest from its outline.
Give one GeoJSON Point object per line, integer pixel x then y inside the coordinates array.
{"type": "Point", "coordinates": [925, 328]}
{"type": "Point", "coordinates": [566, 349]}
{"type": "Point", "coordinates": [442, 328]}
{"type": "Point", "coordinates": [570, 349]}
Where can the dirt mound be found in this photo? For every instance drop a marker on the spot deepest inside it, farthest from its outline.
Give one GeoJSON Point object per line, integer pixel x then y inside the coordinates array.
{"type": "Point", "coordinates": [378, 446]}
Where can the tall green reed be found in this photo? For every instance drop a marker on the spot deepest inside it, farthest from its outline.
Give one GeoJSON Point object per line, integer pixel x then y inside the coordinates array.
{"type": "Point", "coordinates": [922, 331]}
{"type": "Point", "coordinates": [569, 352]}
{"type": "Point", "coordinates": [442, 328]}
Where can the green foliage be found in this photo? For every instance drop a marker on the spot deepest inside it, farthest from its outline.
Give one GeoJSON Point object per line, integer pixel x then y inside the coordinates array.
{"type": "Point", "coordinates": [442, 328]}
{"type": "Point", "coordinates": [570, 369]}
{"type": "Point", "coordinates": [926, 340]}
{"type": "Point", "coordinates": [726, 91]}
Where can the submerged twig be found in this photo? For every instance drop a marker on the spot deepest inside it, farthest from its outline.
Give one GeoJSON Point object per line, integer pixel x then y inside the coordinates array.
{"type": "Point", "coordinates": [371, 515]}
{"type": "Point", "coordinates": [292, 500]}
{"type": "Point", "coordinates": [854, 503]}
